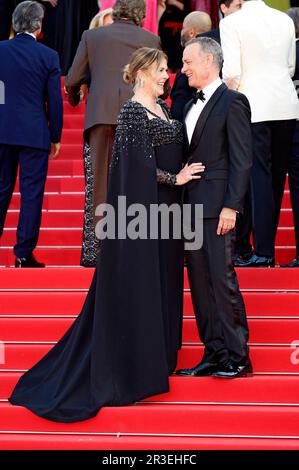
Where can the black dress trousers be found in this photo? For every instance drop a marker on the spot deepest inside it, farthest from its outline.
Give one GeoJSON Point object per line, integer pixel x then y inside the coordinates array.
{"type": "Point", "coordinates": [293, 171]}
{"type": "Point", "coordinates": [218, 303]}
{"type": "Point", "coordinates": [272, 141]}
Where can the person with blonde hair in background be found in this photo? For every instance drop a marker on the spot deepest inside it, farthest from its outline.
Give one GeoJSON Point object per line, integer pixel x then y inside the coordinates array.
{"type": "Point", "coordinates": [103, 18]}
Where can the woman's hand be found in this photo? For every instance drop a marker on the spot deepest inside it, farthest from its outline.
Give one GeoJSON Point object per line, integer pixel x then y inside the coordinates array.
{"type": "Point", "coordinates": [189, 173]}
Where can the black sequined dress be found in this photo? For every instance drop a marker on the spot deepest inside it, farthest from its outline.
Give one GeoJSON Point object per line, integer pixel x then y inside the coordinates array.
{"type": "Point", "coordinates": [123, 345]}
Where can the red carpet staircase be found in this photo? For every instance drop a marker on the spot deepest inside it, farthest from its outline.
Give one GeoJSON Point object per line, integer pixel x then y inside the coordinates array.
{"type": "Point", "coordinates": [37, 306]}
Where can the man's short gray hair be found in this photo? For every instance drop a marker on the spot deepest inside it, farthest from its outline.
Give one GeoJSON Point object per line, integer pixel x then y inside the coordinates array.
{"type": "Point", "coordinates": [209, 46]}
{"type": "Point", "coordinates": [28, 16]}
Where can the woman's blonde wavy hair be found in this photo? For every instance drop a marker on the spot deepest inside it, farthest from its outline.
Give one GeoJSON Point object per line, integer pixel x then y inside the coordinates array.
{"type": "Point", "coordinates": [142, 59]}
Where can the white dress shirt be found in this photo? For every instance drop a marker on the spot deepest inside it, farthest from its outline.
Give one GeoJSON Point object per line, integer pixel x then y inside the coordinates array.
{"type": "Point", "coordinates": [30, 34]}
{"type": "Point", "coordinates": [196, 109]}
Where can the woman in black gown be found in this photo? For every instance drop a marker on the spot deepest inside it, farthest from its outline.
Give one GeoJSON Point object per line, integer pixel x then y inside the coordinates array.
{"type": "Point", "coordinates": [124, 344]}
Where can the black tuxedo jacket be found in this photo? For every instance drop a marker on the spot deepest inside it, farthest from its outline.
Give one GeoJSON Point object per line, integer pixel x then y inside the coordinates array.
{"type": "Point", "coordinates": [222, 142]}
{"type": "Point", "coordinates": [180, 94]}
{"type": "Point", "coordinates": [213, 34]}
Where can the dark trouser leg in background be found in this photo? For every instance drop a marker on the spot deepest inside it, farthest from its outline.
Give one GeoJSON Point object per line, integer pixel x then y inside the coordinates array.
{"type": "Point", "coordinates": [271, 147]}
{"type": "Point", "coordinates": [293, 170]}
{"type": "Point", "coordinates": [8, 175]}
{"type": "Point", "coordinates": [243, 246]}
{"type": "Point", "coordinates": [33, 174]}
{"type": "Point", "coordinates": [262, 191]}
{"type": "Point", "coordinates": [282, 139]}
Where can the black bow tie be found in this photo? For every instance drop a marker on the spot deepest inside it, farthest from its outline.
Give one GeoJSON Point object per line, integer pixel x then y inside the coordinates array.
{"type": "Point", "coordinates": [199, 95]}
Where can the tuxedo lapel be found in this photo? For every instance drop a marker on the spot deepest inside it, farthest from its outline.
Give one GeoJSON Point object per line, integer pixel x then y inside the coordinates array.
{"type": "Point", "coordinates": [204, 116]}
{"type": "Point", "coordinates": [185, 112]}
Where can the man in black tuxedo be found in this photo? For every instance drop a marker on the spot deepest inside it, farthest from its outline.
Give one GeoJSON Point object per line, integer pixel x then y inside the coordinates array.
{"type": "Point", "coordinates": [30, 124]}
{"type": "Point", "coordinates": [218, 131]}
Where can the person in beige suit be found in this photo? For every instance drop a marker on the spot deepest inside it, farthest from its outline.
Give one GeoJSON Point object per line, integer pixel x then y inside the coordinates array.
{"type": "Point", "coordinates": [101, 57]}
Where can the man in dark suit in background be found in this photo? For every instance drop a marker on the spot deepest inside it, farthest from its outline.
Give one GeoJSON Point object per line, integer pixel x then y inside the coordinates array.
{"type": "Point", "coordinates": [218, 130]}
{"type": "Point", "coordinates": [101, 56]}
{"type": "Point", "coordinates": [30, 124]}
{"type": "Point", "coordinates": [196, 25]}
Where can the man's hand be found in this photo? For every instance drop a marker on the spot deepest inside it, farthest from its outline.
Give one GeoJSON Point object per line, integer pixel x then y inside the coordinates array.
{"type": "Point", "coordinates": [227, 221]}
{"type": "Point", "coordinates": [54, 3]}
{"type": "Point", "coordinates": [55, 149]}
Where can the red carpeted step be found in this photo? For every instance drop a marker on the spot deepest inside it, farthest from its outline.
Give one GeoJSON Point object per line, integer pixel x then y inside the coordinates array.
{"type": "Point", "coordinates": [70, 237]}
{"type": "Point", "coordinates": [55, 201]}
{"type": "Point", "coordinates": [54, 256]}
{"type": "Point", "coordinates": [74, 121]}
{"type": "Point", "coordinates": [61, 184]}
{"type": "Point", "coordinates": [262, 331]}
{"type": "Point", "coordinates": [70, 151]}
{"type": "Point", "coordinates": [48, 237]}
{"type": "Point", "coordinates": [50, 219]}
{"type": "Point", "coordinates": [60, 167]}
{"type": "Point", "coordinates": [264, 389]}
{"type": "Point", "coordinates": [286, 218]}
{"type": "Point", "coordinates": [72, 137]}
{"type": "Point", "coordinates": [65, 256]}
{"type": "Point", "coordinates": [262, 279]}
{"type": "Point", "coordinates": [264, 358]}
{"type": "Point", "coordinates": [285, 236]}
{"type": "Point", "coordinates": [38, 441]}
{"type": "Point", "coordinates": [66, 278]}
{"type": "Point", "coordinates": [286, 202]}
{"type": "Point", "coordinates": [70, 303]}
{"type": "Point", "coordinates": [284, 254]}
{"type": "Point", "coordinates": [217, 420]}
{"type": "Point", "coordinates": [73, 110]}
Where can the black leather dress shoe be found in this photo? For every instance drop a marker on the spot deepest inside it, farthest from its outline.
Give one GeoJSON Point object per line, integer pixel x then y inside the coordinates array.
{"type": "Point", "coordinates": [256, 262]}
{"type": "Point", "coordinates": [292, 264]}
{"type": "Point", "coordinates": [240, 258]}
{"type": "Point", "coordinates": [233, 371]}
{"type": "Point", "coordinates": [29, 262]}
{"type": "Point", "coordinates": [201, 370]}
